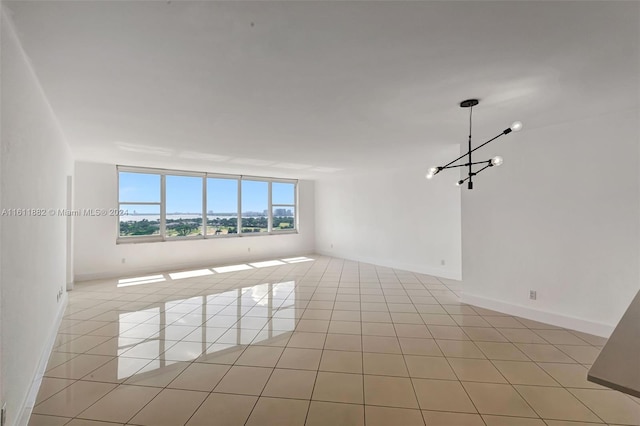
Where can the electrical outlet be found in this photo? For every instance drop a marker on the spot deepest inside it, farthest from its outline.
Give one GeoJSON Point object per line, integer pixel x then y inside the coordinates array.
{"type": "Point", "coordinates": [533, 295]}
{"type": "Point", "coordinates": [331, 245]}
{"type": "Point", "coordinates": [249, 249]}
{"type": "Point", "coordinates": [124, 260]}
{"type": "Point", "coordinates": [442, 262]}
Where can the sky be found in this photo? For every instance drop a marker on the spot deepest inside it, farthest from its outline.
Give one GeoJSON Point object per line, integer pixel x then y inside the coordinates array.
{"type": "Point", "coordinates": [184, 193]}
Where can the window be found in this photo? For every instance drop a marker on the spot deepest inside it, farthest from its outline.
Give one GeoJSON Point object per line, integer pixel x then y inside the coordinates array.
{"type": "Point", "coordinates": [184, 206]}
{"type": "Point", "coordinates": [255, 206]}
{"type": "Point", "coordinates": [139, 196]}
{"type": "Point", "coordinates": [222, 206]}
{"type": "Point", "coordinates": [163, 205]}
{"type": "Point", "coordinates": [283, 205]}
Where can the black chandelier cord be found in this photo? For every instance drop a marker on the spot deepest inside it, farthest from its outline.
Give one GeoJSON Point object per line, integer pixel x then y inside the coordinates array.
{"type": "Point", "coordinates": [470, 170]}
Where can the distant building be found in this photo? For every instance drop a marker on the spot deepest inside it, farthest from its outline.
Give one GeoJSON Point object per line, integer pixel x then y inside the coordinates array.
{"type": "Point", "coordinates": [282, 212]}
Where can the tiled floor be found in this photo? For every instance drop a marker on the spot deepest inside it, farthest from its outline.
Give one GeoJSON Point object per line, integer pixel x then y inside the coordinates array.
{"type": "Point", "coordinates": [315, 341]}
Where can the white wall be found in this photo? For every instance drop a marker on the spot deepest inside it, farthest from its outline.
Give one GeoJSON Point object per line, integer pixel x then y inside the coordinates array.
{"type": "Point", "coordinates": [98, 256]}
{"type": "Point", "coordinates": [559, 217]}
{"type": "Point", "coordinates": [35, 163]}
{"type": "Point", "coordinates": [393, 218]}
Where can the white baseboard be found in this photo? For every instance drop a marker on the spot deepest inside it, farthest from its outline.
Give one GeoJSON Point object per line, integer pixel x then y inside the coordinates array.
{"type": "Point", "coordinates": [417, 268]}
{"type": "Point", "coordinates": [30, 400]}
{"type": "Point", "coordinates": [560, 320]}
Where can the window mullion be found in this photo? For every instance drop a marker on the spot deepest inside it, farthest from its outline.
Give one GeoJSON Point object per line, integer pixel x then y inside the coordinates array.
{"type": "Point", "coordinates": [119, 227]}
{"type": "Point", "coordinates": [204, 207]}
{"type": "Point", "coordinates": [163, 206]}
{"type": "Point", "coordinates": [141, 203]}
{"type": "Point", "coordinates": [240, 207]}
{"type": "Point", "coordinates": [269, 210]}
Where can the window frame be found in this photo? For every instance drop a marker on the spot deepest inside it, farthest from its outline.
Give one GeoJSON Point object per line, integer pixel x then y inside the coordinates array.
{"type": "Point", "coordinates": [138, 238]}
{"type": "Point", "coordinates": [201, 175]}
{"type": "Point", "coordinates": [294, 205]}
{"type": "Point", "coordinates": [254, 179]}
{"type": "Point", "coordinates": [163, 173]}
{"type": "Point", "coordinates": [238, 180]}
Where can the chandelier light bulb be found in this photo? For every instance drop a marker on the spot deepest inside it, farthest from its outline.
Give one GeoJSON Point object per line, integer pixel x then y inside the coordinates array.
{"type": "Point", "coordinates": [459, 183]}
{"type": "Point", "coordinates": [431, 172]}
{"type": "Point", "coordinates": [516, 126]}
{"type": "Point", "coordinates": [497, 161]}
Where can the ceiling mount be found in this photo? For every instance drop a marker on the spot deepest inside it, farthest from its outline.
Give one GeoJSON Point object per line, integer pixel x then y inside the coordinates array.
{"type": "Point", "coordinates": [469, 103]}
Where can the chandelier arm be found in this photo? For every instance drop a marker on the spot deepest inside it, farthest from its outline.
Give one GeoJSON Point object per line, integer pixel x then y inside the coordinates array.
{"type": "Point", "coordinates": [461, 181]}
{"type": "Point", "coordinates": [466, 164]}
{"type": "Point", "coordinates": [485, 167]}
{"type": "Point", "coordinates": [474, 149]}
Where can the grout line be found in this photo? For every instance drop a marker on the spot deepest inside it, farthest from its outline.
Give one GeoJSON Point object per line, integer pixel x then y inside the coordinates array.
{"type": "Point", "coordinates": [270, 375]}
{"type": "Point", "coordinates": [404, 360]}
{"type": "Point", "coordinates": [315, 380]}
{"type": "Point", "coordinates": [364, 391]}
{"type": "Point", "coordinates": [307, 279]}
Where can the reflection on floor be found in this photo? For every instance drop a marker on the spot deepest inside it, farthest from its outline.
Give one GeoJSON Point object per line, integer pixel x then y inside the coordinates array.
{"type": "Point", "coordinates": [316, 341]}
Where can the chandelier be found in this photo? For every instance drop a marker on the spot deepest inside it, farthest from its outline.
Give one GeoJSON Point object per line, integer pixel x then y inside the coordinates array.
{"type": "Point", "coordinates": [495, 161]}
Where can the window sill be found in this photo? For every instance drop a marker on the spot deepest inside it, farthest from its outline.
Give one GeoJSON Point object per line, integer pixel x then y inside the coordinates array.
{"type": "Point", "coordinates": [140, 240]}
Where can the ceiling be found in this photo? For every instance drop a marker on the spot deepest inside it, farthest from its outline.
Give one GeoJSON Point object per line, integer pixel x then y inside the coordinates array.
{"type": "Point", "coordinates": [312, 89]}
